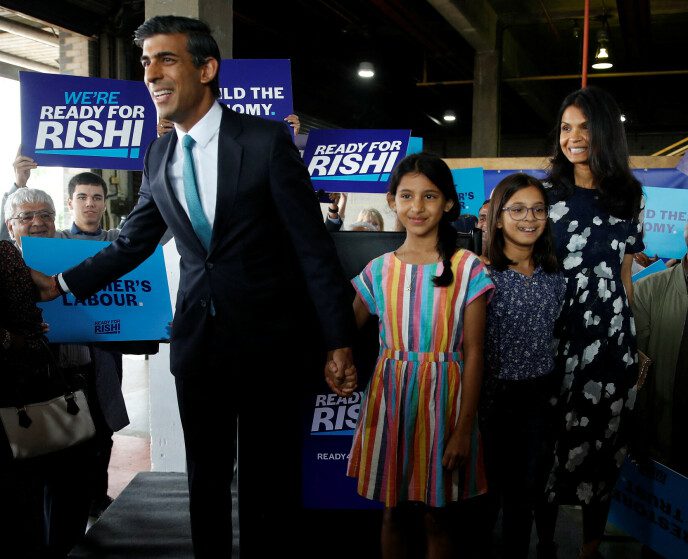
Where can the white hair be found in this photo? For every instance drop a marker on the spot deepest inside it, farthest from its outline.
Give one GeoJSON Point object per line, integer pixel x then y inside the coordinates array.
{"type": "Point", "coordinates": [27, 196]}
{"type": "Point", "coordinates": [365, 225]}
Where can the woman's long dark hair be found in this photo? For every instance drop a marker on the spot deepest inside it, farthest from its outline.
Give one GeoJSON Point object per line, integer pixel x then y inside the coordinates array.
{"type": "Point", "coordinates": [438, 173]}
{"type": "Point", "coordinates": [544, 254]}
{"type": "Point", "coordinates": [619, 191]}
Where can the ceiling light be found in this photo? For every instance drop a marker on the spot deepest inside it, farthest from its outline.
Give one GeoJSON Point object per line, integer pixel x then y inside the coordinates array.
{"type": "Point", "coordinates": [449, 116]}
{"type": "Point", "coordinates": [603, 59]}
{"type": "Point", "coordinates": [366, 70]}
{"type": "Point", "coordinates": [623, 118]}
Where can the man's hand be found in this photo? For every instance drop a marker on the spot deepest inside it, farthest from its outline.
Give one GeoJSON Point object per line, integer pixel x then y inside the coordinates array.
{"type": "Point", "coordinates": [164, 126]}
{"type": "Point", "coordinates": [340, 372]}
{"type": "Point", "coordinates": [22, 169]}
{"type": "Point", "coordinates": [294, 122]}
{"type": "Point", "coordinates": [47, 285]}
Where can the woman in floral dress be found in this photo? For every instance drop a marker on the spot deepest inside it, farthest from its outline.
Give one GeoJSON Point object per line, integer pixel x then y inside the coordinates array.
{"type": "Point", "coordinates": [597, 222]}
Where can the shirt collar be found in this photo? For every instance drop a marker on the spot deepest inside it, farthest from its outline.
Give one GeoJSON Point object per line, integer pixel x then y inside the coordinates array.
{"type": "Point", "coordinates": [206, 128]}
{"type": "Point", "coordinates": [76, 231]}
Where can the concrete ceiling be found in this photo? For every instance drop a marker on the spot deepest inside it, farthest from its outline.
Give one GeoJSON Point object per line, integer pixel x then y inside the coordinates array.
{"type": "Point", "coordinates": [424, 53]}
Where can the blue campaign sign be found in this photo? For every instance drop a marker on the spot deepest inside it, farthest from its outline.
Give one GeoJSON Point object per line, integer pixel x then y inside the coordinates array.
{"type": "Point", "coordinates": [657, 266]}
{"type": "Point", "coordinates": [92, 123]}
{"type": "Point", "coordinates": [326, 447]}
{"type": "Point", "coordinates": [354, 160]}
{"type": "Point", "coordinates": [470, 186]}
{"type": "Point", "coordinates": [650, 503]}
{"type": "Point", "coordinates": [260, 87]}
{"type": "Point", "coordinates": [666, 214]}
{"type": "Point", "coordinates": [134, 307]}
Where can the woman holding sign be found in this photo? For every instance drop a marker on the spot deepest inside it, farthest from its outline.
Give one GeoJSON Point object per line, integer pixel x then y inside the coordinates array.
{"type": "Point", "coordinates": [596, 213]}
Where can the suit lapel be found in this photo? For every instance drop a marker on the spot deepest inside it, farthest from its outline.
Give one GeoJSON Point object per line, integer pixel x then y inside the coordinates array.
{"type": "Point", "coordinates": [182, 218]}
{"type": "Point", "coordinates": [229, 154]}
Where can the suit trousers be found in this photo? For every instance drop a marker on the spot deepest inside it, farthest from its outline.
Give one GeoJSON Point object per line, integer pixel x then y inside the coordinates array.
{"type": "Point", "coordinates": [250, 393]}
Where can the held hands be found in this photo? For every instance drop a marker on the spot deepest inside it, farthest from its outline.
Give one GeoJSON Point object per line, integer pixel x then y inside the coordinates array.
{"type": "Point", "coordinates": [47, 285]}
{"type": "Point", "coordinates": [340, 372]}
{"type": "Point", "coordinates": [22, 169]}
{"type": "Point", "coordinates": [294, 121]}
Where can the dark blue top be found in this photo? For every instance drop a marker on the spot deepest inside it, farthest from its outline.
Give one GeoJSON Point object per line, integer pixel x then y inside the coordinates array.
{"type": "Point", "coordinates": [519, 340]}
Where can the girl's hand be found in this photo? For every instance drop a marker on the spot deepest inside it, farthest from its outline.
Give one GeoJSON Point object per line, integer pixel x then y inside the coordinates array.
{"type": "Point", "coordinates": [457, 450]}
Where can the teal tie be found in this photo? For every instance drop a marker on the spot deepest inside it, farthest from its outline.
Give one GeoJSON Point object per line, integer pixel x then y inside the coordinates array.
{"type": "Point", "coordinates": [199, 221]}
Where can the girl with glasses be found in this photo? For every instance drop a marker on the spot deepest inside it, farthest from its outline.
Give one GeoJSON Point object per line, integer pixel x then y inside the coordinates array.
{"type": "Point", "coordinates": [519, 381]}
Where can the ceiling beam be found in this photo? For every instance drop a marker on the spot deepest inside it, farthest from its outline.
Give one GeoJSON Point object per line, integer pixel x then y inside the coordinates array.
{"type": "Point", "coordinates": [28, 64]}
{"type": "Point", "coordinates": [478, 23]}
{"type": "Point", "coordinates": [28, 32]}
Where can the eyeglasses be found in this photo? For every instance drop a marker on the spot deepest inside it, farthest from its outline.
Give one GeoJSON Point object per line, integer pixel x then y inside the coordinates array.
{"type": "Point", "coordinates": [28, 217]}
{"type": "Point", "coordinates": [519, 213]}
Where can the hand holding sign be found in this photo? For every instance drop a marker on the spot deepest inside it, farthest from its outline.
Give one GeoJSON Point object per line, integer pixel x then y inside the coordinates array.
{"type": "Point", "coordinates": [22, 169]}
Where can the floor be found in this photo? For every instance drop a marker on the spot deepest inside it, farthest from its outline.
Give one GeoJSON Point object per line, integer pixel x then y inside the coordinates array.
{"type": "Point", "coordinates": [131, 454]}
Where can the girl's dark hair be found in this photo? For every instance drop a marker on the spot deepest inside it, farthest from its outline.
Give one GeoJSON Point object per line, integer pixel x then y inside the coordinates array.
{"type": "Point", "coordinates": [438, 173]}
{"type": "Point", "coordinates": [544, 254]}
{"type": "Point", "coordinates": [199, 40]}
{"type": "Point", "coordinates": [619, 191]}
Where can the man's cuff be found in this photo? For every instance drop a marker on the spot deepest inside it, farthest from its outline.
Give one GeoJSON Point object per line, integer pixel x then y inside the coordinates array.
{"type": "Point", "coordinates": [63, 284]}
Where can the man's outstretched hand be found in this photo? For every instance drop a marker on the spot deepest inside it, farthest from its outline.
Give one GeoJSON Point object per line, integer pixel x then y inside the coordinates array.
{"type": "Point", "coordinates": [47, 285]}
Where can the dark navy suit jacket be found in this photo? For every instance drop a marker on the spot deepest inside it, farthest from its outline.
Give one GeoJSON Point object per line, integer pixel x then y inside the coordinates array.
{"type": "Point", "coordinates": [265, 277]}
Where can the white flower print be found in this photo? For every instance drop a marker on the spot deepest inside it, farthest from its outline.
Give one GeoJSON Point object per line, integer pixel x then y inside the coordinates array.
{"type": "Point", "coordinates": [590, 319]}
{"type": "Point", "coordinates": [583, 296]}
{"type": "Point", "coordinates": [602, 270]}
{"type": "Point", "coordinates": [577, 242]}
{"type": "Point", "coordinates": [630, 402]}
{"type": "Point", "coordinates": [584, 492]}
{"type": "Point", "coordinates": [581, 280]}
{"type": "Point", "coordinates": [612, 427]}
{"type": "Point", "coordinates": [614, 220]}
{"type": "Point", "coordinates": [584, 421]}
{"type": "Point", "coordinates": [621, 337]}
{"type": "Point", "coordinates": [596, 220]}
{"type": "Point", "coordinates": [593, 391]}
{"type": "Point", "coordinates": [618, 305]}
{"type": "Point", "coordinates": [616, 406]}
{"type": "Point", "coordinates": [620, 456]}
{"type": "Point", "coordinates": [572, 260]}
{"type": "Point", "coordinates": [602, 291]}
{"type": "Point", "coordinates": [557, 211]}
{"type": "Point", "coordinates": [628, 358]}
{"type": "Point", "coordinates": [590, 352]}
{"type": "Point", "coordinates": [610, 389]}
{"type": "Point", "coordinates": [615, 244]}
{"type": "Point", "coordinates": [576, 456]}
{"type": "Point", "coordinates": [572, 226]}
{"type": "Point", "coordinates": [615, 324]}
{"type": "Point", "coordinates": [571, 363]}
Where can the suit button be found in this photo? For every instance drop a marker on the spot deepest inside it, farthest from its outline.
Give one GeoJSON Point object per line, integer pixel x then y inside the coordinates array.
{"type": "Point", "coordinates": [204, 303]}
{"type": "Point", "coordinates": [209, 265]}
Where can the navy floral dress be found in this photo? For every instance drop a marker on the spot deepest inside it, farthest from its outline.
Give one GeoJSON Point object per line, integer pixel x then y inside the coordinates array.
{"type": "Point", "coordinates": [596, 352]}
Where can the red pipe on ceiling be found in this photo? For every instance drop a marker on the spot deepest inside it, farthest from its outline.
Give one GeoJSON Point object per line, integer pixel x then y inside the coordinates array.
{"type": "Point", "coordinates": [586, 37]}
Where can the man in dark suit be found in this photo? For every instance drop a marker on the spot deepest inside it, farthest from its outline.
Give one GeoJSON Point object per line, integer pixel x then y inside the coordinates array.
{"type": "Point", "coordinates": [261, 290]}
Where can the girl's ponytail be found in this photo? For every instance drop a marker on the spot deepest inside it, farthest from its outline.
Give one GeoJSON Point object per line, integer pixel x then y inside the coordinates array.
{"type": "Point", "coordinates": [446, 247]}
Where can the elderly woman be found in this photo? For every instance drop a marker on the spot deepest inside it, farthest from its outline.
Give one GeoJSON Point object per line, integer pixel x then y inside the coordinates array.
{"type": "Point", "coordinates": [45, 507]}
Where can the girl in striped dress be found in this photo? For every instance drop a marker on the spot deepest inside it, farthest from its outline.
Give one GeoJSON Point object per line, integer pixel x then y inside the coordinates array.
{"type": "Point", "coordinates": [417, 438]}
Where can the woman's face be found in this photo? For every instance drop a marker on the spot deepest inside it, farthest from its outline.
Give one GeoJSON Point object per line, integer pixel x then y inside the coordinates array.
{"type": "Point", "coordinates": [574, 135]}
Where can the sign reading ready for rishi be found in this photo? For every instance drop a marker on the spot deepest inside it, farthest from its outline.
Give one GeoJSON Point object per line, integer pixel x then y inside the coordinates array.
{"type": "Point", "coordinates": [135, 307]}
{"type": "Point", "coordinates": [354, 160]}
{"type": "Point", "coordinates": [92, 123]}
{"type": "Point", "coordinates": [260, 87]}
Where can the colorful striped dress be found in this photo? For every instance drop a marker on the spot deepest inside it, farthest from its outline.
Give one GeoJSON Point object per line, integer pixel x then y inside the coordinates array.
{"type": "Point", "coordinates": [412, 401]}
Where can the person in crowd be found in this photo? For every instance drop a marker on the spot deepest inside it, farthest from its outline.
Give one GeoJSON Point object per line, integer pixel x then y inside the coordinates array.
{"type": "Point", "coordinates": [336, 211]}
{"type": "Point", "coordinates": [22, 171]}
{"type": "Point", "coordinates": [595, 209]}
{"type": "Point", "coordinates": [519, 382]}
{"type": "Point", "coordinates": [363, 226]}
{"type": "Point", "coordinates": [482, 225]}
{"type": "Point", "coordinates": [372, 216]}
{"type": "Point", "coordinates": [660, 308]}
{"type": "Point", "coordinates": [46, 498]}
{"type": "Point", "coordinates": [416, 442]}
{"type": "Point", "coordinates": [238, 199]}
{"type": "Point", "coordinates": [87, 193]}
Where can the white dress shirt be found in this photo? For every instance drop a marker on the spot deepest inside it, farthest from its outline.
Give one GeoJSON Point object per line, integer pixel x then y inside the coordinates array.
{"type": "Point", "coordinates": [206, 134]}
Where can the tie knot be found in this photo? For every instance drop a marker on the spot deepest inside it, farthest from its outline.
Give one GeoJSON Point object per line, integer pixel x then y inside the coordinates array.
{"type": "Point", "coordinates": [188, 142]}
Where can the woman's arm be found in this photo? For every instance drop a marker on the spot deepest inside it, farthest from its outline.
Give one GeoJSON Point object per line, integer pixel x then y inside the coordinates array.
{"type": "Point", "coordinates": [458, 446]}
{"type": "Point", "coordinates": [626, 276]}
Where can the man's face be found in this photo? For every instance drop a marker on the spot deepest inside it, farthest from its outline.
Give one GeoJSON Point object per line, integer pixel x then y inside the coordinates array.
{"type": "Point", "coordinates": [88, 206]}
{"type": "Point", "coordinates": [32, 220]}
{"type": "Point", "coordinates": [482, 218]}
{"type": "Point", "coordinates": [179, 90]}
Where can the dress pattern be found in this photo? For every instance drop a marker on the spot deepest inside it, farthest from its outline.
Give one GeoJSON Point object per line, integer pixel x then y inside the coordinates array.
{"type": "Point", "coordinates": [597, 352]}
{"type": "Point", "coordinates": [413, 397]}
